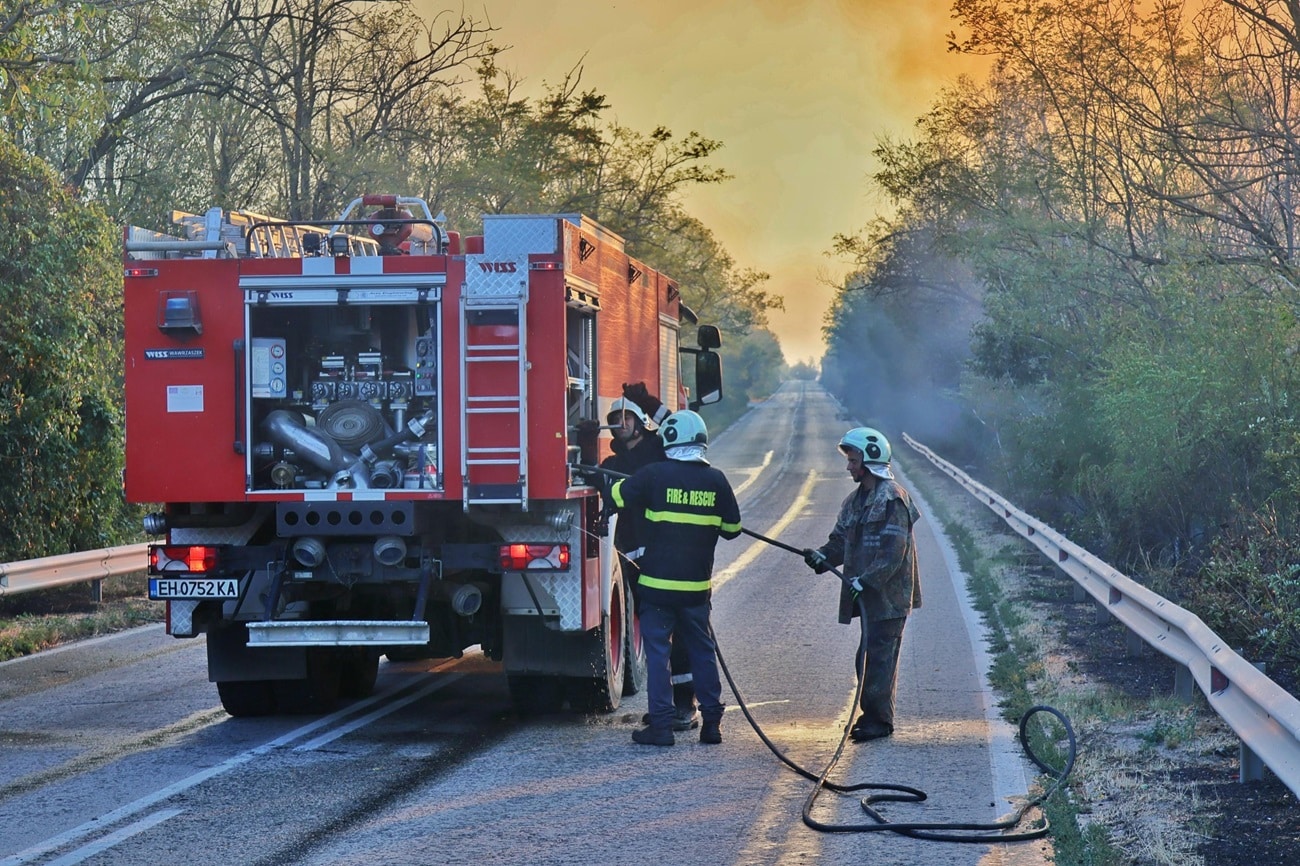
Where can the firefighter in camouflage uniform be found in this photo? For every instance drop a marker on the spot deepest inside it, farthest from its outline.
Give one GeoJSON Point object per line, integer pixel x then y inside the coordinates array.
{"type": "Point", "coordinates": [873, 541]}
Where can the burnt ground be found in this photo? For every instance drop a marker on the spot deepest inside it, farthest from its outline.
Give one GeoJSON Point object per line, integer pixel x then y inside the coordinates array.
{"type": "Point", "coordinates": [1236, 824]}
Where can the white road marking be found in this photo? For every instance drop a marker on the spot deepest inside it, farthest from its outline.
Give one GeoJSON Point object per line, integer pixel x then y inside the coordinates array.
{"type": "Point", "coordinates": [351, 726]}
{"type": "Point", "coordinates": [754, 473]}
{"type": "Point", "coordinates": [85, 852]}
{"type": "Point", "coordinates": [95, 825]}
{"type": "Point", "coordinates": [752, 552]}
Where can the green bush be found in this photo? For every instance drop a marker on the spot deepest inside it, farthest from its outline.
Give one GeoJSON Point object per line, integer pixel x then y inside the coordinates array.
{"type": "Point", "coordinates": [60, 367]}
{"type": "Point", "coordinates": [1248, 592]}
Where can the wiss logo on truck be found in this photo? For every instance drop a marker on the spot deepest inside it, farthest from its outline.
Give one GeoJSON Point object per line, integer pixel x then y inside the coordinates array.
{"type": "Point", "coordinates": [362, 434]}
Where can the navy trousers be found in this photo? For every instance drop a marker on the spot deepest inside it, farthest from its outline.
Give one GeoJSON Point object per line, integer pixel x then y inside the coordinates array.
{"type": "Point", "coordinates": [689, 626]}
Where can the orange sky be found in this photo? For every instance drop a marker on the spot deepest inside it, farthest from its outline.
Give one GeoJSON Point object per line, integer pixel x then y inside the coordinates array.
{"type": "Point", "coordinates": [798, 92]}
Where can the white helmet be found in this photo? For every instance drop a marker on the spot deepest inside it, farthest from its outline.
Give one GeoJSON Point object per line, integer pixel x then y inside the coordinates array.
{"type": "Point", "coordinates": [684, 428]}
{"type": "Point", "coordinates": [622, 404]}
{"type": "Point", "coordinates": [872, 446]}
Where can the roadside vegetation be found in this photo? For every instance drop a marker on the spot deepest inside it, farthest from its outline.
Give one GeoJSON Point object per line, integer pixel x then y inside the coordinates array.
{"type": "Point", "coordinates": [1132, 796]}
{"type": "Point", "coordinates": [1087, 293]}
{"type": "Point", "coordinates": [34, 621]}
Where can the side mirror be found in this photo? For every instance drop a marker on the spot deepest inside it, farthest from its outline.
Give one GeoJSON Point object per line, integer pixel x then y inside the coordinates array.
{"type": "Point", "coordinates": [708, 377]}
{"type": "Point", "coordinates": [709, 337]}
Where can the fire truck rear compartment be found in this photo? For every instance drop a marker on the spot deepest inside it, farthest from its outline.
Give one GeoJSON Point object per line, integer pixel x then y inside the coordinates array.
{"type": "Point", "coordinates": [333, 393]}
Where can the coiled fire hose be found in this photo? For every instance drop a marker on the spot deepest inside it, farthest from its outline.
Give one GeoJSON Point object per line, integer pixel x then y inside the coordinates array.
{"type": "Point", "coordinates": [933, 831]}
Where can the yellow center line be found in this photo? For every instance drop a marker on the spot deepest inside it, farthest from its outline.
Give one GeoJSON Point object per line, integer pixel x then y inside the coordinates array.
{"type": "Point", "coordinates": [751, 553]}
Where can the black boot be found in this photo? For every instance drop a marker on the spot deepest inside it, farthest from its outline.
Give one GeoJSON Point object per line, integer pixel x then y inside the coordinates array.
{"type": "Point", "coordinates": [711, 732]}
{"type": "Point", "coordinates": [653, 737]}
{"type": "Point", "coordinates": [864, 730]}
{"type": "Point", "coordinates": [687, 715]}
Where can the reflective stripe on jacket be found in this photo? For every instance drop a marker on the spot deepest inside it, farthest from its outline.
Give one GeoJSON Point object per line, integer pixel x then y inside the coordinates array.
{"type": "Point", "coordinates": [686, 507]}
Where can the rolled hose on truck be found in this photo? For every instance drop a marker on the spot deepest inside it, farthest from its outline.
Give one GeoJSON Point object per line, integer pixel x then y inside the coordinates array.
{"type": "Point", "coordinates": [895, 793]}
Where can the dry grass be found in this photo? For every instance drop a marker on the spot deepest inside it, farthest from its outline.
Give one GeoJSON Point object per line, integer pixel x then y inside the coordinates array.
{"type": "Point", "coordinates": [33, 621]}
{"type": "Point", "coordinates": [1132, 749]}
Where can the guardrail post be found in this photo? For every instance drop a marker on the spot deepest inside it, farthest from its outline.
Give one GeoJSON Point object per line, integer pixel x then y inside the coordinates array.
{"type": "Point", "coordinates": [1080, 594]}
{"type": "Point", "coordinates": [1184, 684]}
{"type": "Point", "coordinates": [1250, 767]}
{"type": "Point", "coordinates": [97, 591]}
{"type": "Point", "coordinates": [1133, 644]}
{"type": "Point", "coordinates": [1100, 616]}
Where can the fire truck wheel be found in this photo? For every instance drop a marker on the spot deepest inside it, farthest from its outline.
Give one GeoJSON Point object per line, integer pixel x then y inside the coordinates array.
{"type": "Point", "coordinates": [315, 693]}
{"type": "Point", "coordinates": [246, 698]}
{"type": "Point", "coordinates": [358, 670]}
{"type": "Point", "coordinates": [635, 676]}
{"type": "Point", "coordinates": [535, 695]}
{"type": "Point", "coordinates": [603, 692]}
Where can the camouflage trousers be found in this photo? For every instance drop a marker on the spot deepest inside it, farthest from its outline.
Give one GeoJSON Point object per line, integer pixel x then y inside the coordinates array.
{"type": "Point", "coordinates": [879, 651]}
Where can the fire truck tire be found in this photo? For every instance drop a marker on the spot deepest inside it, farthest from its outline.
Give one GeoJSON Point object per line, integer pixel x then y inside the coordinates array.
{"type": "Point", "coordinates": [603, 692]}
{"type": "Point", "coordinates": [536, 695]}
{"type": "Point", "coordinates": [634, 676]}
{"type": "Point", "coordinates": [247, 698]}
{"type": "Point", "coordinates": [317, 692]}
{"type": "Point", "coordinates": [358, 670]}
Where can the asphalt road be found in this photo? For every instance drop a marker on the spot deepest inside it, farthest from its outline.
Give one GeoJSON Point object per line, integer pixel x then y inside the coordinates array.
{"type": "Point", "coordinates": [116, 750]}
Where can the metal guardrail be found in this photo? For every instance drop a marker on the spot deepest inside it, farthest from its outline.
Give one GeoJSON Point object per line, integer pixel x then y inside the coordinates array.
{"type": "Point", "coordinates": [51, 571]}
{"type": "Point", "coordinates": [1259, 711]}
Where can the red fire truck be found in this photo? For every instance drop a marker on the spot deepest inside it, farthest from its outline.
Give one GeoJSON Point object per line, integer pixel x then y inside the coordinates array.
{"type": "Point", "coordinates": [362, 435]}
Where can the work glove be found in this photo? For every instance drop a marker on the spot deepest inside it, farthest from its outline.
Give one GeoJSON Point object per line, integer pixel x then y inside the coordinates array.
{"type": "Point", "coordinates": [588, 432]}
{"type": "Point", "coordinates": [816, 560]}
{"type": "Point", "coordinates": [587, 439]}
{"type": "Point", "coordinates": [651, 405]}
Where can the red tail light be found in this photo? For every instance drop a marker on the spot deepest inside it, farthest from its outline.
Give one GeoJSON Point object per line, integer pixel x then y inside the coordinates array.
{"type": "Point", "coordinates": [182, 558]}
{"type": "Point", "coordinates": [534, 557]}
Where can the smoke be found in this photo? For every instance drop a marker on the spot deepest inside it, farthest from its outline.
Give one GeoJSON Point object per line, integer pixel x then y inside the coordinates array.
{"type": "Point", "coordinates": [897, 361]}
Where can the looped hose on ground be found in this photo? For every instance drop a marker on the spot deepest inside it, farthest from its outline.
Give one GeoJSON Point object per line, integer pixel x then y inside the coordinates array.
{"type": "Point", "coordinates": [896, 793]}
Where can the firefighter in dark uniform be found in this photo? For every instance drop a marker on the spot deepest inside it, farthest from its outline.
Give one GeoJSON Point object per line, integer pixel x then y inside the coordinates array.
{"type": "Point", "coordinates": [686, 505]}
{"type": "Point", "coordinates": [635, 445]}
{"type": "Point", "coordinates": [873, 540]}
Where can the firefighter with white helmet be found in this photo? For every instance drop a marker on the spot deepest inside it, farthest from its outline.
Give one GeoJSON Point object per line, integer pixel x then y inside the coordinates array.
{"type": "Point", "coordinates": [874, 543]}
{"type": "Point", "coordinates": [687, 505]}
{"type": "Point", "coordinates": [635, 446]}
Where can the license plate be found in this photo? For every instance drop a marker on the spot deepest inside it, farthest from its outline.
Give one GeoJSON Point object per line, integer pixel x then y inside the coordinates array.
{"type": "Point", "coordinates": [164, 588]}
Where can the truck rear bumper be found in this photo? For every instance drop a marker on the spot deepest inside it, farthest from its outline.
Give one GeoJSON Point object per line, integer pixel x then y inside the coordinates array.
{"type": "Point", "coordinates": [338, 633]}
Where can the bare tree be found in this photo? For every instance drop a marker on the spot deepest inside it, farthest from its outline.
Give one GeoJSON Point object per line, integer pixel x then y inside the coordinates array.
{"type": "Point", "coordinates": [338, 79]}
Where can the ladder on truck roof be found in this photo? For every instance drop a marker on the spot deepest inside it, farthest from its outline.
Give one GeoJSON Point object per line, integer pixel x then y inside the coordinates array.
{"type": "Point", "coordinates": [494, 385]}
{"type": "Point", "coordinates": [218, 233]}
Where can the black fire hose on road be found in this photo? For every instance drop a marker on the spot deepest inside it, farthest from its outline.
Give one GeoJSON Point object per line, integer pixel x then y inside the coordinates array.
{"type": "Point", "coordinates": [932, 831]}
